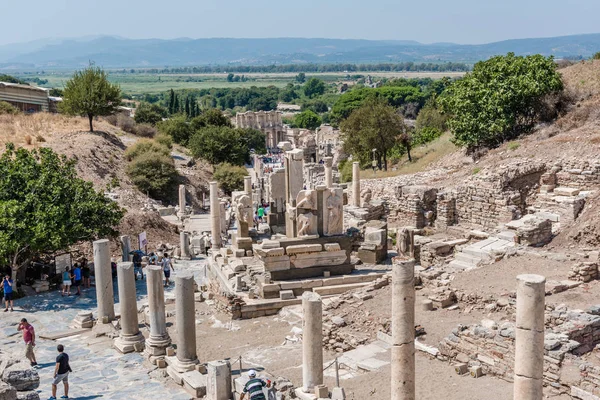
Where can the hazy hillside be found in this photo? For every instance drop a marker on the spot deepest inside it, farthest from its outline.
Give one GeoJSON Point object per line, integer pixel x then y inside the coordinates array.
{"type": "Point", "coordinates": [113, 52]}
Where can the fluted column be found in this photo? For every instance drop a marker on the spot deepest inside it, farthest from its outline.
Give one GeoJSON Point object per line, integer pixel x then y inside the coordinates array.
{"type": "Point", "coordinates": [159, 339]}
{"type": "Point", "coordinates": [215, 215]}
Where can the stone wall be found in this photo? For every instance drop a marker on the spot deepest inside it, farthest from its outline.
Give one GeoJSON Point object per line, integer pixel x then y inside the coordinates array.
{"type": "Point", "coordinates": [578, 173]}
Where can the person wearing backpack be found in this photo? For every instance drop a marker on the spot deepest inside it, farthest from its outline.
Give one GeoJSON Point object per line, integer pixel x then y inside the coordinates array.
{"type": "Point", "coordinates": [61, 372]}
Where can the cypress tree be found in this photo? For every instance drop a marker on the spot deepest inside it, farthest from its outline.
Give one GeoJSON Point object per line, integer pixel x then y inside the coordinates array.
{"type": "Point", "coordinates": [172, 102]}
{"type": "Point", "coordinates": [187, 106]}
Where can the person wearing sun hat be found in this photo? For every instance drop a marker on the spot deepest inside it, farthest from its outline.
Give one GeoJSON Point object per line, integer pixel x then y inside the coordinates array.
{"type": "Point", "coordinates": [254, 387]}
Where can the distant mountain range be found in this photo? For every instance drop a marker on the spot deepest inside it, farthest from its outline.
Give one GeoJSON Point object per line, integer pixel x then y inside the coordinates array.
{"type": "Point", "coordinates": [116, 52]}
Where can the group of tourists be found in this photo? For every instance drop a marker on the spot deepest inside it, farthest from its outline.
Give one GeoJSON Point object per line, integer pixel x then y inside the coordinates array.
{"type": "Point", "coordinates": [61, 368]}
{"type": "Point", "coordinates": [79, 276]}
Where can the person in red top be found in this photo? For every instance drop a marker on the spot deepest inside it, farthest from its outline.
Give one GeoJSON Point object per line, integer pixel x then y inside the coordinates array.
{"type": "Point", "coordinates": [29, 338]}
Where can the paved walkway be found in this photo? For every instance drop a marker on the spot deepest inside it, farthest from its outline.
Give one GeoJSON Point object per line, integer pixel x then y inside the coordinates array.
{"type": "Point", "coordinates": [99, 371]}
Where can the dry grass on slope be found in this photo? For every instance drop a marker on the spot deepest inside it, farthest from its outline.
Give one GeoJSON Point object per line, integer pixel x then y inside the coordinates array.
{"type": "Point", "coordinates": [30, 131]}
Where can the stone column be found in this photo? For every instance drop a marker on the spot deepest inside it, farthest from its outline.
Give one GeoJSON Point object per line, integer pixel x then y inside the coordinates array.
{"type": "Point", "coordinates": [185, 313]}
{"type": "Point", "coordinates": [218, 385]}
{"type": "Point", "coordinates": [248, 185]}
{"type": "Point", "coordinates": [312, 341]}
{"type": "Point", "coordinates": [182, 199]}
{"type": "Point", "coordinates": [130, 338]}
{"type": "Point", "coordinates": [403, 331]}
{"type": "Point", "coordinates": [529, 343]}
{"type": "Point", "coordinates": [184, 245]}
{"type": "Point", "coordinates": [159, 339]}
{"type": "Point", "coordinates": [215, 215]}
{"type": "Point", "coordinates": [328, 172]}
{"type": "Point", "coordinates": [356, 184]}
{"type": "Point", "coordinates": [125, 247]}
{"type": "Point", "coordinates": [104, 284]}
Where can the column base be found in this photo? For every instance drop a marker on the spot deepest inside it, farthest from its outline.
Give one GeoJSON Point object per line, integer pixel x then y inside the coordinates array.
{"type": "Point", "coordinates": [181, 366]}
{"type": "Point", "coordinates": [157, 346]}
{"type": "Point", "coordinates": [129, 344]}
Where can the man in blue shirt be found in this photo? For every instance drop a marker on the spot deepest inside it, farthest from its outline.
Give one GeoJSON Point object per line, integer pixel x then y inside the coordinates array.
{"type": "Point", "coordinates": [7, 284]}
{"type": "Point", "coordinates": [77, 279]}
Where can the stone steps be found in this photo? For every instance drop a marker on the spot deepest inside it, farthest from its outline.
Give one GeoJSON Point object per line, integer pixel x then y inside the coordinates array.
{"type": "Point", "coordinates": [338, 289]}
{"type": "Point", "coordinates": [480, 253]}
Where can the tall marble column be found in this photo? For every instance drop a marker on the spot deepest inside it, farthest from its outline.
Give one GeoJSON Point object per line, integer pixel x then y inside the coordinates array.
{"type": "Point", "coordinates": [248, 185]}
{"type": "Point", "coordinates": [312, 341]}
{"type": "Point", "coordinates": [125, 247]}
{"type": "Point", "coordinates": [104, 284]}
{"type": "Point", "coordinates": [186, 322]}
{"type": "Point", "coordinates": [403, 331]}
{"type": "Point", "coordinates": [159, 339]}
{"type": "Point", "coordinates": [184, 245]}
{"type": "Point", "coordinates": [529, 343]}
{"type": "Point", "coordinates": [182, 199]}
{"type": "Point", "coordinates": [130, 338]}
{"type": "Point", "coordinates": [215, 215]}
{"type": "Point", "coordinates": [328, 172]}
{"type": "Point", "coordinates": [356, 184]}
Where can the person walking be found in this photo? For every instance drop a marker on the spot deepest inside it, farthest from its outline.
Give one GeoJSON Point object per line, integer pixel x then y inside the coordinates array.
{"type": "Point", "coordinates": [167, 266]}
{"type": "Point", "coordinates": [7, 286]}
{"type": "Point", "coordinates": [137, 265]}
{"type": "Point", "coordinates": [254, 387]}
{"type": "Point", "coordinates": [66, 277]}
{"type": "Point", "coordinates": [85, 273]}
{"type": "Point", "coordinates": [261, 213]}
{"type": "Point", "coordinates": [29, 338]}
{"type": "Point", "coordinates": [77, 279]}
{"type": "Point", "coordinates": [153, 259]}
{"type": "Point", "coordinates": [61, 372]}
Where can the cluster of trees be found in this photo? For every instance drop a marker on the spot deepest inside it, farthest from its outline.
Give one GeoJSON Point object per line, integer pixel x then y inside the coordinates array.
{"type": "Point", "coordinates": [502, 98]}
{"type": "Point", "coordinates": [64, 209]}
{"type": "Point", "coordinates": [183, 104]}
{"type": "Point", "coordinates": [236, 78]}
{"type": "Point", "coordinates": [303, 68]}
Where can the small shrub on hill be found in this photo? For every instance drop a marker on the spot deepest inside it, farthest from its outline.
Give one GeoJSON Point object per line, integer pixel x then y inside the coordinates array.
{"type": "Point", "coordinates": [146, 146]}
{"type": "Point", "coordinates": [7, 108]}
{"type": "Point", "coordinates": [165, 140]}
{"type": "Point", "coordinates": [153, 173]}
{"type": "Point", "coordinates": [230, 177]}
{"type": "Point", "coordinates": [144, 130]}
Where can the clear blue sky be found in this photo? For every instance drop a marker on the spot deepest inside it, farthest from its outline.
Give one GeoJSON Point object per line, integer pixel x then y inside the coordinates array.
{"type": "Point", "coordinates": [460, 21]}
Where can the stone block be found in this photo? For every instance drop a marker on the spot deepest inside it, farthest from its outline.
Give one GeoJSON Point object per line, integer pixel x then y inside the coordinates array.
{"type": "Point", "coordinates": [565, 191]}
{"type": "Point", "coordinates": [286, 295]}
{"type": "Point", "coordinates": [461, 369]}
{"type": "Point", "coordinates": [332, 246]}
{"type": "Point", "coordinates": [321, 391]}
{"type": "Point", "coordinates": [320, 259]}
{"type": "Point", "coordinates": [194, 383]}
{"type": "Point", "coordinates": [303, 248]}
{"type": "Point", "coordinates": [476, 371]}
{"type": "Point", "coordinates": [21, 376]}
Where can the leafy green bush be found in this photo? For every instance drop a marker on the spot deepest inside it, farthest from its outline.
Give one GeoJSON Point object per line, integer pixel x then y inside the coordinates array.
{"type": "Point", "coordinates": [165, 140]}
{"type": "Point", "coordinates": [7, 108]}
{"type": "Point", "coordinates": [345, 169]}
{"type": "Point", "coordinates": [147, 113]}
{"type": "Point", "coordinates": [230, 177]}
{"type": "Point", "coordinates": [596, 56]}
{"type": "Point", "coordinates": [177, 127]}
{"type": "Point", "coordinates": [502, 98]}
{"type": "Point", "coordinates": [426, 135]}
{"type": "Point", "coordinates": [431, 117]}
{"type": "Point", "coordinates": [219, 144]}
{"type": "Point", "coordinates": [146, 146]}
{"type": "Point", "coordinates": [153, 173]}
{"type": "Point", "coordinates": [212, 117]}
{"type": "Point", "coordinates": [307, 120]}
